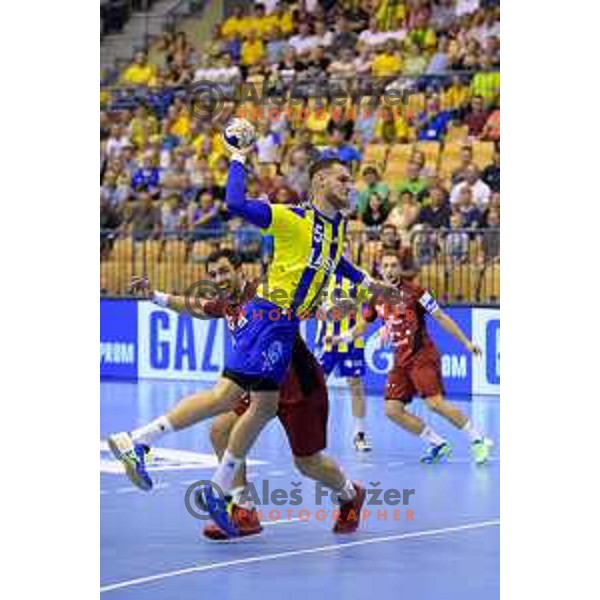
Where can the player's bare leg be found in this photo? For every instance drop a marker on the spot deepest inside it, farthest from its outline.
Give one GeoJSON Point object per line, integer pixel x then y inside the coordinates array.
{"type": "Point", "coordinates": [325, 470]}
{"type": "Point", "coordinates": [247, 519]}
{"type": "Point", "coordinates": [359, 411]}
{"type": "Point", "coordinates": [131, 448]}
{"type": "Point", "coordinates": [480, 445]}
{"type": "Point", "coordinates": [438, 447]}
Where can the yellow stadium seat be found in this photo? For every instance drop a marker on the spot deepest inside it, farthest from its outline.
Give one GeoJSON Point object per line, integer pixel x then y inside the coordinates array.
{"type": "Point", "coordinates": [489, 287]}
{"type": "Point", "coordinates": [431, 150]}
{"type": "Point", "coordinates": [483, 153]}
{"type": "Point", "coordinates": [457, 133]}
{"type": "Point", "coordinates": [433, 278]}
{"type": "Point", "coordinates": [462, 284]}
{"type": "Point", "coordinates": [375, 155]}
{"type": "Point", "coordinates": [400, 152]}
{"type": "Point", "coordinates": [415, 105]}
{"type": "Point", "coordinates": [450, 158]}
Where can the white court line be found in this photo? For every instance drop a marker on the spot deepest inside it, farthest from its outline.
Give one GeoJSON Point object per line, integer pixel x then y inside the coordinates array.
{"type": "Point", "coordinates": [268, 557]}
{"type": "Point", "coordinates": [283, 521]}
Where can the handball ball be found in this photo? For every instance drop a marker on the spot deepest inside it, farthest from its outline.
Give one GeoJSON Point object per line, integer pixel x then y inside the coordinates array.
{"type": "Point", "coordinates": [239, 134]}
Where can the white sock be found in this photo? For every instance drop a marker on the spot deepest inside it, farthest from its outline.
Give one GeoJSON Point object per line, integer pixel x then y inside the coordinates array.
{"type": "Point", "coordinates": [148, 433]}
{"type": "Point", "coordinates": [359, 425]}
{"type": "Point", "coordinates": [348, 492]}
{"type": "Point", "coordinates": [226, 471]}
{"type": "Point", "coordinates": [430, 436]}
{"type": "Point", "coordinates": [472, 431]}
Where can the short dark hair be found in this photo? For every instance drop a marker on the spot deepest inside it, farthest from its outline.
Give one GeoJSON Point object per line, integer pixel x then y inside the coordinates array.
{"type": "Point", "coordinates": [322, 164]}
{"type": "Point", "coordinates": [231, 255]}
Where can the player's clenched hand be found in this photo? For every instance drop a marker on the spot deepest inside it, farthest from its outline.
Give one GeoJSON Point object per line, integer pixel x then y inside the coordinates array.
{"type": "Point", "coordinates": [474, 349]}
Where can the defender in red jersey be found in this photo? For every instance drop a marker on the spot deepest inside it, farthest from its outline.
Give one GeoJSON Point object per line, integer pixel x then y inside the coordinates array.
{"type": "Point", "coordinates": [303, 406]}
{"type": "Point", "coordinates": [417, 365]}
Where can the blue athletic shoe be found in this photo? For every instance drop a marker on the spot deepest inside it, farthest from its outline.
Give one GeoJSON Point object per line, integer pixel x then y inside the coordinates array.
{"type": "Point", "coordinates": [133, 457]}
{"type": "Point", "coordinates": [220, 508]}
{"type": "Point", "coordinates": [436, 454]}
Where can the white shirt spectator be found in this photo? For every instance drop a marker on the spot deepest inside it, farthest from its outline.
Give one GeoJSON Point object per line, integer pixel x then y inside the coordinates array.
{"type": "Point", "coordinates": [303, 44]}
{"type": "Point", "coordinates": [219, 75]}
{"type": "Point", "coordinates": [115, 145]}
{"type": "Point", "coordinates": [311, 5]}
{"type": "Point", "coordinates": [480, 190]}
{"type": "Point", "coordinates": [270, 5]}
{"type": "Point", "coordinates": [325, 40]}
{"type": "Point", "coordinates": [466, 7]}
{"type": "Point", "coordinates": [267, 148]}
{"type": "Point", "coordinates": [373, 38]}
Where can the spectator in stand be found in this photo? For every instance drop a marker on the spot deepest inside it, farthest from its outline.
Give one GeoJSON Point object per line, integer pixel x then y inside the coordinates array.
{"type": "Point", "coordinates": [366, 123]}
{"type": "Point", "coordinates": [413, 182]}
{"type": "Point", "coordinates": [466, 160]}
{"type": "Point", "coordinates": [112, 192]}
{"type": "Point", "coordinates": [235, 24]}
{"type": "Point", "coordinates": [489, 240]}
{"type": "Point", "coordinates": [404, 215]}
{"type": "Point", "coordinates": [376, 212]}
{"type": "Point", "coordinates": [491, 174]}
{"type": "Point", "coordinates": [297, 176]}
{"type": "Point", "coordinates": [415, 62]}
{"type": "Point", "coordinates": [471, 215]}
{"type": "Point", "coordinates": [147, 177]}
{"type": "Point", "coordinates": [268, 144]}
{"type": "Point", "coordinates": [433, 122]}
{"type": "Point", "coordinates": [139, 72]}
{"type": "Point", "coordinates": [456, 241]}
{"type": "Point", "coordinates": [303, 42]}
{"type": "Point", "coordinates": [146, 219]}
{"type": "Point", "coordinates": [343, 38]}
{"type": "Point", "coordinates": [436, 214]}
{"type": "Point", "coordinates": [390, 240]}
{"type": "Point", "coordinates": [172, 217]}
{"type": "Point", "coordinates": [373, 183]}
{"type": "Point", "coordinates": [323, 37]}
{"type": "Point", "coordinates": [476, 117]}
{"type": "Point", "coordinates": [276, 46]}
{"type": "Point", "coordinates": [480, 190]}
{"type": "Point", "coordinates": [116, 141]}
{"type": "Point", "coordinates": [438, 63]}
{"type": "Point", "coordinates": [373, 37]}
{"type": "Point", "coordinates": [344, 67]}
{"type": "Point", "coordinates": [206, 220]}
{"type": "Point", "coordinates": [491, 130]}
{"type": "Point", "coordinates": [391, 127]}
{"type": "Point", "coordinates": [387, 64]}
{"type": "Point", "coordinates": [253, 49]}
{"type": "Point", "coordinates": [341, 150]}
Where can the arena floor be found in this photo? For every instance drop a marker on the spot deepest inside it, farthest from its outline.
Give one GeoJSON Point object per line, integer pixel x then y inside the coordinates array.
{"type": "Point", "coordinates": [151, 548]}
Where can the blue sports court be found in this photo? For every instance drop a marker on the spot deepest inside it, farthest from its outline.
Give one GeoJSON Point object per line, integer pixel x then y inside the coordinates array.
{"type": "Point", "coordinates": [151, 546]}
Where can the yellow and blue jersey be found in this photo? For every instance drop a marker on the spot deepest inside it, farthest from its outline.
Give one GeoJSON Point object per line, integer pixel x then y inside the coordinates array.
{"type": "Point", "coordinates": [308, 247]}
{"type": "Point", "coordinates": [330, 327]}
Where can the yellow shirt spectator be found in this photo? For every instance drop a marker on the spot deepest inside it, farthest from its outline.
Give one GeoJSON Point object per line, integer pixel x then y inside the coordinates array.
{"type": "Point", "coordinates": [390, 14]}
{"type": "Point", "coordinates": [234, 25]}
{"type": "Point", "coordinates": [455, 97]}
{"type": "Point", "coordinates": [281, 19]}
{"type": "Point", "coordinates": [317, 122]}
{"type": "Point", "coordinates": [486, 85]}
{"type": "Point", "coordinates": [138, 74]}
{"type": "Point", "coordinates": [253, 50]}
{"type": "Point", "coordinates": [181, 126]}
{"type": "Point", "coordinates": [386, 65]}
{"type": "Point", "coordinates": [395, 132]}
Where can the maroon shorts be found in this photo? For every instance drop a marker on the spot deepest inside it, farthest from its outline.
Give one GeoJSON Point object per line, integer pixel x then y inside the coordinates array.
{"type": "Point", "coordinates": [304, 417]}
{"type": "Point", "coordinates": [421, 375]}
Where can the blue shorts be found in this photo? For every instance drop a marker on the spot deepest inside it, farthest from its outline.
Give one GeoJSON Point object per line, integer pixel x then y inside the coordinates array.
{"type": "Point", "coordinates": [349, 364]}
{"type": "Point", "coordinates": [263, 340]}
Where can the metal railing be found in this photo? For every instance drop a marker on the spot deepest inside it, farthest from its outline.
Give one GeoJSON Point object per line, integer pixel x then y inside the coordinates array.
{"type": "Point", "coordinates": [458, 266]}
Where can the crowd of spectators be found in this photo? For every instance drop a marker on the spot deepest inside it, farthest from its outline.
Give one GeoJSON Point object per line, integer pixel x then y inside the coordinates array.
{"type": "Point", "coordinates": [164, 167]}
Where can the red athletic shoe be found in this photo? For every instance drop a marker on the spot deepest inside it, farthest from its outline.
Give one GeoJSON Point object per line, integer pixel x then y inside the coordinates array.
{"type": "Point", "coordinates": [349, 518]}
{"type": "Point", "coordinates": [246, 520]}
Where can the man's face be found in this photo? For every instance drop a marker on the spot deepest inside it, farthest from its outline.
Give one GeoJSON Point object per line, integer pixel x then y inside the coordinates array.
{"type": "Point", "coordinates": [472, 174]}
{"type": "Point", "coordinates": [477, 104]}
{"type": "Point", "coordinates": [390, 269]}
{"type": "Point", "coordinates": [336, 185]}
{"type": "Point", "coordinates": [389, 236]}
{"type": "Point", "coordinates": [370, 178]}
{"type": "Point", "coordinates": [224, 275]}
{"type": "Point", "coordinates": [412, 170]}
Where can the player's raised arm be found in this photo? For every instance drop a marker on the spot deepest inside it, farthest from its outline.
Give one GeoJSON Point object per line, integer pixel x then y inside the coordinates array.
{"type": "Point", "coordinates": [257, 212]}
{"type": "Point", "coordinates": [429, 303]}
{"type": "Point", "coordinates": [357, 276]}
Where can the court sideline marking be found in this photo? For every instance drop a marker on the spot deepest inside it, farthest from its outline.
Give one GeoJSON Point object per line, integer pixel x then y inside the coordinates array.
{"type": "Point", "coordinates": [268, 557]}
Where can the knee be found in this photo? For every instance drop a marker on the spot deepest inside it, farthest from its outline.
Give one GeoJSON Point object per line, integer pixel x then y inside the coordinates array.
{"type": "Point", "coordinates": [219, 434]}
{"type": "Point", "coordinates": [307, 464]}
{"type": "Point", "coordinates": [393, 408]}
{"type": "Point", "coordinates": [265, 408]}
{"type": "Point", "coordinates": [435, 403]}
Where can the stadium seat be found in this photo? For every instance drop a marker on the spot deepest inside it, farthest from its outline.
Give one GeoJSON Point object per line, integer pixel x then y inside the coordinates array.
{"type": "Point", "coordinates": [483, 153]}
{"type": "Point", "coordinates": [489, 284]}
{"type": "Point", "coordinates": [432, 277]}
{"type": "Point", "coordinates": [462, 284]}
{"type": "Point", "coordinates": [375, 155]}
{"type": "Point", "coordinates": [450, 158]}
{"type": "Point", "coordinates": [431, 150]}
{"type": "Point", "coordinates": [415, 105]}
{"type": "Point", "coordinates": [457, 133]}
